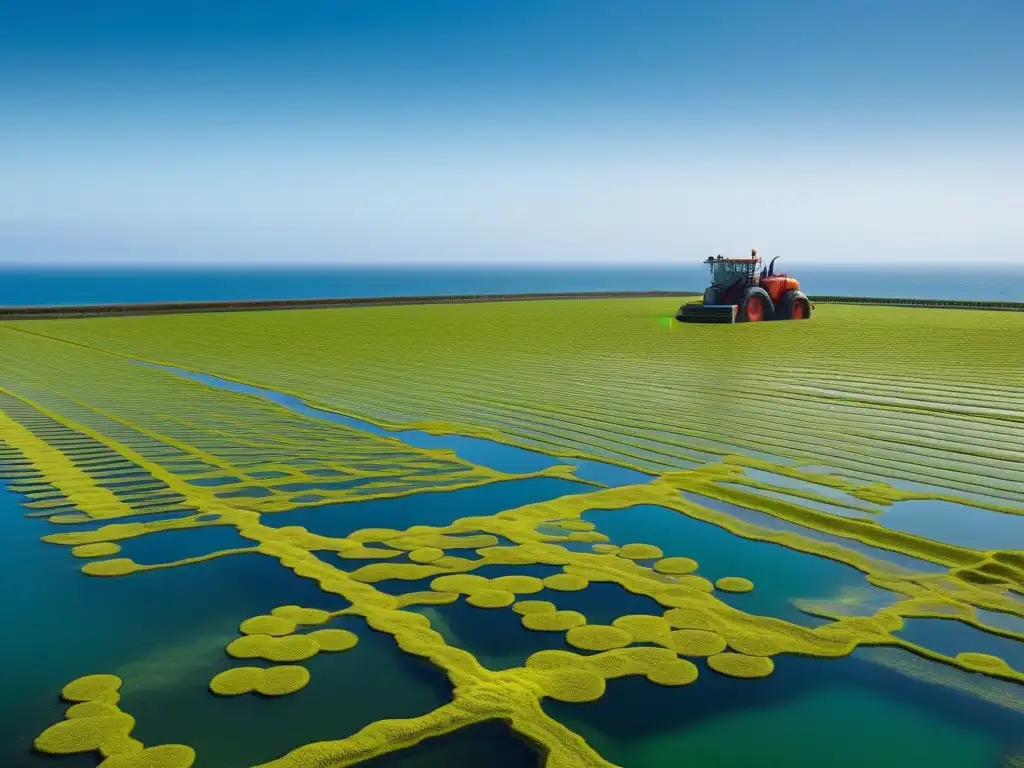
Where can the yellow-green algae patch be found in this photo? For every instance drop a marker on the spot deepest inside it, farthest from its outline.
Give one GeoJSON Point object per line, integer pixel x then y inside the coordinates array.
{"type": "Point", "coordinates": [983, 662]}
{"type": "Point", "coordinates": [120, 566]}
{"type": "Point", "coordinates": [491, 598]}
{"type": "Point", "coordinates": [692, 642]}
{"type": "Point", "coordinates": [96, 549]}
{"type": "Point", "coordinates": [677, 672]}
{"type": "Point", "coordinates": [277, 649]}
{"type": "Point", "coordinates": [98, 725]}
{"type": "Point", "coordinates": [267, 625]}
{"type": "Point", "coordinates": [299, 615]}
{"type": "Point", "coordinates": [573, 685]}
{"type": "Point", "coordinates": [553, 621]}
{"type": "Point", "coordinates": [425, 598]}
{"type": "Point", "coordinates": [426, 554]}
{"type": "Point", "coordinates": [676, 565]}
{"type": "Point", "coordinates": [334, 639]}
{"type": "Point", "coordinates": [595, 637]}
{"type": "Point", "coordinates": [658, 665]}
{"type": "Point", "coordinates": [520, 585]}
{"type": "Point", "coordinates": [640, 552]}
{"type": "Point", "coordinates": [734, 584]}
{"type": "Point", "coordinates": [643, 628]}
{"type": "Point", "coordinates": [463, 583]}
{"type": "Point", "coordinates": [162, 756]}
{"type": "Point", "coordinates": [565, 582]}
{"type": "Point", "coordinates": [273, 681]}
{"type": "Point", "coordinates": [105, 733]}
{"type": "Point", "coordinates": [524, 607]}
{"type": "Point", "coordinates": [576, 525]}
{"type": "Point", "coordinates": [91, 709]}
{"type": "Point", "coordinates": [741, 665]}
{"type": "Point", "coordinates": [92, 688]}
{"type": "Point", "coordinates": [691, 618]}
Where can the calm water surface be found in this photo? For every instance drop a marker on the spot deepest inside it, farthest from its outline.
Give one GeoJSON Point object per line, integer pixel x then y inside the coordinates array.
{"type": "Point", "coordinates": [98, 286]}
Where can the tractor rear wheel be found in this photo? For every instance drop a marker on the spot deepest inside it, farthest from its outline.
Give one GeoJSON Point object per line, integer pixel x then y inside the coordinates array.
{"type": "Point", "coordinates": [757, 306]}
{"type": "Point", "coordinates": [794, 306]}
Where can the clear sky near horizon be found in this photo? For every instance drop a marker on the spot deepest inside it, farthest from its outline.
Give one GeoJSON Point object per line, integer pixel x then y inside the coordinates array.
{"type": "Point", "coordinates": [535, 131]}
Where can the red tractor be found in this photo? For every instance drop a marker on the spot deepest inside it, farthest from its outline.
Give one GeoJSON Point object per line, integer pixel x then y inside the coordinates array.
{"type": "Point", "coordinates": [741, 292]}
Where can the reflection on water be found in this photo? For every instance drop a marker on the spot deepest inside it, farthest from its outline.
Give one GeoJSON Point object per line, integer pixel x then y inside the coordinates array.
{"type": "Point", "coordinates": [779, 574]}
{"type": "Point", "coordinates": [785, 481]}
{"type": "Point", "coordinates": [951, 637]}
{"type": "Point", "coordinates": [965, 526]}
{"type": "Point", "coordinates": [168, 546]}
{"type": "Point", "coordinates": [1001, 620]}
{"type": "Point", "coordinates": [773, 523]}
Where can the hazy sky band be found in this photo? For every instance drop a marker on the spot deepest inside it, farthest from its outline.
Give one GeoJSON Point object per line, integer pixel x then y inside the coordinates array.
{"type": "Point", "coordinates": [438, 129]}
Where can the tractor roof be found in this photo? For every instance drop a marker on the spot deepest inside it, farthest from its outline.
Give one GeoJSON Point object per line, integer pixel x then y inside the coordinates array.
{"type": "Point", "coordinates": [720, 259]}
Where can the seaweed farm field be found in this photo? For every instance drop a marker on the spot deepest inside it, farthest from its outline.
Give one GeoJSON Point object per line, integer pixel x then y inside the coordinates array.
{"type": "Point", "coordinates": [515, 534]}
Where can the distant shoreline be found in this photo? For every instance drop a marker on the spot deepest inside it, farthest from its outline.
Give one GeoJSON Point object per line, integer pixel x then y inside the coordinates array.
{"type": "Point", "coordinates": [193, 307]}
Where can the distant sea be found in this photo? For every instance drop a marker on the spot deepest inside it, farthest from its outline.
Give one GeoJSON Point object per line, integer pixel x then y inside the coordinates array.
{"type": "Point", "coordinates": [99, 286]}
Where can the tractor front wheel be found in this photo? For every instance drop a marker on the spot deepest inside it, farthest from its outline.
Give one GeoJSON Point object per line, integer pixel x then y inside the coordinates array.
{"type": "Point", "coordinates": [757, 306]}
{"type": "Point", "coordinates": [794, 306]}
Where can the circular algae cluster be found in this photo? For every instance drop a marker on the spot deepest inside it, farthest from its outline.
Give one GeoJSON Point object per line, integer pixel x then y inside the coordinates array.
{"type": "Point", "coordinates": [94, 723]}
{"type": "Point", "coordinates": [734, 584]}
{"type": "Point", "coordinates": [96, 549]}
{"type": "Point", "coordinates": [272, 681]}
{"type": "Point", "coordinates": [594, 637]}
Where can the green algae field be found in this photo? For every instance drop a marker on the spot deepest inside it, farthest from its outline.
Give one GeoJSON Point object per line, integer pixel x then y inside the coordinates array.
{"type": "Point", "coordinates": [561, 533]}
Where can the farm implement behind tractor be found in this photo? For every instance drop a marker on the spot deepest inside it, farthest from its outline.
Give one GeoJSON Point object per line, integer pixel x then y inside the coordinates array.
{"type": "Point", "coordinates": [741, 293]}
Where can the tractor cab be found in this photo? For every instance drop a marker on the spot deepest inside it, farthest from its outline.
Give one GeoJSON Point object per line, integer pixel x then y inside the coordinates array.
{"type": "Point", "coordinates": [730, 278]}
{"type": "Point", "coordinates": [729, 272]}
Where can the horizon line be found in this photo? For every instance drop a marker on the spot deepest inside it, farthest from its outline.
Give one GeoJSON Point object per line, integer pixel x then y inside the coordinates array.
{"type": "Point", "coordinates": [470, 265]}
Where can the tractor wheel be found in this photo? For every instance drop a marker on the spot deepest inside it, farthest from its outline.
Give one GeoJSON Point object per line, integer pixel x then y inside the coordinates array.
{"type": "Point", "coordinates": [712, 296]}
{"type": "Point", "coordinates": [757, 306]}
{"type": "Point", "coordinates": [794, 306]}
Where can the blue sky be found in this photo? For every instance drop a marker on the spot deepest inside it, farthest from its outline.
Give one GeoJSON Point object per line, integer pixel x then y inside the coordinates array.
{"type": "Point", "coordinates": [492, 131]}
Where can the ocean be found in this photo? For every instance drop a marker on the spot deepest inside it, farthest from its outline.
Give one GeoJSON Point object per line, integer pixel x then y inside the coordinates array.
{"type": "Point", "coordinates": [26, 287]}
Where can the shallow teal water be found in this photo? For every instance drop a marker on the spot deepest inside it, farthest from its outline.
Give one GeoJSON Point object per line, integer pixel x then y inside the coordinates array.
{"type": "Point", "coordinates": [784, 481]}
{"type": "Point", "coordinates": [945, 521]}
{"type": "Point", "coordinates": [779, 574]}
{"type": "Point", "coordinates": [951, 637]}
{"type": "Point", "coordinates": [165, 632]}
{"type": "Point", "coordinates": [763, 520]}
{"type": "Point", "coordinates": [810, 712]}
{"type": "Point", "coordinates": [168, 656]}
